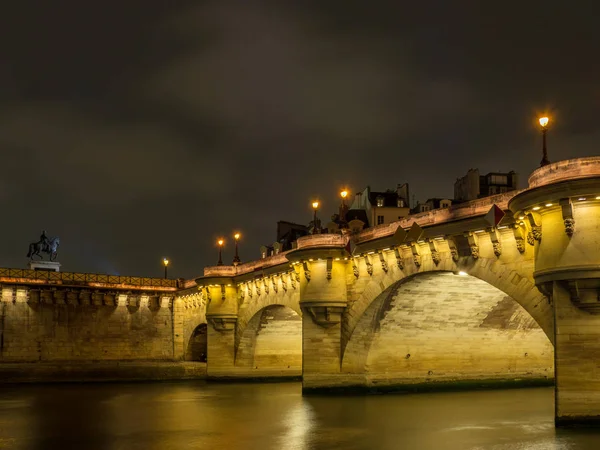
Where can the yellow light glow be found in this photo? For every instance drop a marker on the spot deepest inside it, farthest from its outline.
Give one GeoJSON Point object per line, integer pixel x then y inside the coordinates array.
{"type": "Point", "coordinates": [544, 121]}
{"type": "Point", "coordinates": [220, 242]}
{"type": "Point", "coordinates": [536, 208]}
{"type": "Point", "coordinates": [165, 261]}
{"type": "Point", "coordinates": [598, 198]}
{"type": "Point", "coordinates": [462, 274]}
{"type": "Point", "coordinates": [236, 236]}
{"type": "Point", "coordinates": [521, 217]}
{"type": "Point", "coordinates": [315, 204]}
{"type": "Point", "coordinates": [344, 193]}
{"type": "Point", "coordinates": [581, 199]}
{"type": "Point", "coordinates": [548, 204]}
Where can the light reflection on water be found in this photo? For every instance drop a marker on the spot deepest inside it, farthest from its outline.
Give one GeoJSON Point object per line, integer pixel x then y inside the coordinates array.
{"type": "Point", "coordinates": [191, 415]}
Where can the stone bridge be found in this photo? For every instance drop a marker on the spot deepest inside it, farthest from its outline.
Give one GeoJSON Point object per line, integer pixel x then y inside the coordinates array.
{"type": "Point", "coordinates": [502, 289]}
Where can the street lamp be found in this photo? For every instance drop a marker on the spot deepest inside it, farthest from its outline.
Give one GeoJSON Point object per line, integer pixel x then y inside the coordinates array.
{"type": "Point", "coordinates": [220, 243]}
{"type": "Point", "coordinates": [166, 264]}
{"type": "Point", "coordinates": [236, 258]}
{"type": "Point", "coordinates": [315, 205]}
{"type": "Point", "coordinates": [343, 209]}
{"type": "Point", "coordinates": [544, 124]}
{"type": "Point", "coordinates": [344, 194]}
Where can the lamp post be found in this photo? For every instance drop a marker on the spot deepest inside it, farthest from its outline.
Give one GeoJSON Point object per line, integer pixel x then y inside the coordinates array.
{"type": "Point", "coordinates": [315, 205]}
{"type": "Point", "coordinates": [343, 208]}
{"type": "Point", "coordinates": [220, 243]}
{"type": "Point", "coordinates": [344, 194]}
{"type": "Point", "coordinates": [544, 124]}
{"type": "Point", "coordinates": [166, 264]}
{"type": "Point", "coordinates": [236, 258]}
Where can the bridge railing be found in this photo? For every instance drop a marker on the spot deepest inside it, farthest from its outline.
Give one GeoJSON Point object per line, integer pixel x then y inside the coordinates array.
{"type": "Point", "coordinates": [565, 170]}
{"type": "Point", "coordinates": [252, 266]}
{"type": "Point", "coordinates": [74, 278]}
{"type": "Point", "coordinates": [438, 216]}
{"type": "Point", "coordinates": [322, 240]}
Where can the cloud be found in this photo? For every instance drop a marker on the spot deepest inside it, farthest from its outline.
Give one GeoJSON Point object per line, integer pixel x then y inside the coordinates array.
{"type": "Point", "coordinates": [266, 73]}
{"type": "Point", "coordinates": [106, 163]}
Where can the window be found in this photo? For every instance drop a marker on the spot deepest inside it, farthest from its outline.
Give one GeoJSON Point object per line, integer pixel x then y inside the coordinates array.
{"type": "Point", "coordinates": [498, 179]}
{"type": "Point", "coordinates": [400, 203]}
{"type": "Point", "coordinates": [379, 220]}
{"type": "Point", "coordinates": [379, 202]}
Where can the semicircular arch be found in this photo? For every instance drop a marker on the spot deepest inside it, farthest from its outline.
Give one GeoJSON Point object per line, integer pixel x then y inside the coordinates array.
{"type": "Point", "coordinates": [451, 323]}
{"type": "Point", "coordinates": [513, 277]}
{"type": "Point", "coordinates": [253, 305]}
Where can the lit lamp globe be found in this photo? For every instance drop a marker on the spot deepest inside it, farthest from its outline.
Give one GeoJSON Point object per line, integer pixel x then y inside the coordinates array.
{"type": "Point", "coordinates": [236, 258]}
{"type": "Point", "coordinates": [315, 205]}
{"type": "Point", "coordinates": [166, 264]}
{"type": "Point", "coordinates": [220, 243]}
{"type": "Point", "coordinates": [544, 124]}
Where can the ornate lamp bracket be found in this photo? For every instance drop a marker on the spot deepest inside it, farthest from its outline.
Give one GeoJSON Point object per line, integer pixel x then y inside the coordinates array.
{"type": "Point", "coordinates": [399, 260]}
{"type": "Point", "coordinates": [414, 247]}
{"type": "Point", "coordinates": [536, 229]}
{"type": "Point", "coordinates": [306, 268]}
{"type": "Point", "coordinates": [435, 254]}
{"type": "Point", "coordinates": [496, 243]}
{"type": "Point", "coordinates": [384, 264]}
{"type": "Point", "coordinates": [546, 289]}
{"type": "Point", "coordinates": [567, 214]}
{"type": "Point", "coordinates": [284, 282]}
{"type": "Point", "coordinates": [369, 265]}
{"type": "Point", "coordinates": [473, 244]}
{"type": "Point", "coordinates": [355, 268]}
{"type": "Point", "coordinates": [453, 248]}
{"type": "Point", "coordinates": [257, 287]}
{"type": "Point", "coordinates": [519, 237]}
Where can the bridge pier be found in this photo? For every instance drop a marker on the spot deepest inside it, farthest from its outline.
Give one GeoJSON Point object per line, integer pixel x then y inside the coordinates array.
{"type": "Point", "coordinates": [562, 212]}
{"type": "Point", "coordinates": [577, 360]}
{"type": "Point", "coordinates": [323, 299]}
{"type": "Point", "coordinates": [221, 315]}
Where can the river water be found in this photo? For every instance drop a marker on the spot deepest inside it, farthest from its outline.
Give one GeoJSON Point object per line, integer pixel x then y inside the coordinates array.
{"type": "Point", "coordinates": [199, 415]}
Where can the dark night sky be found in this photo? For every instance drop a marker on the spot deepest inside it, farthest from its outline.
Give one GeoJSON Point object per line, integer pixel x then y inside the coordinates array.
{"type": "Point", "coordinates": [142, 128]}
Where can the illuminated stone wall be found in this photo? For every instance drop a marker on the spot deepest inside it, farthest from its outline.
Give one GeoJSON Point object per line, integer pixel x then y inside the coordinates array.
{"type": "Point", "coordinates": [446, 327]}
{"type": "Point", "coordinates": [54, 325]}
{"type": "Point", "coordinates": [272, 342]}
{"type": "Point", "coordinates": [191, 314]}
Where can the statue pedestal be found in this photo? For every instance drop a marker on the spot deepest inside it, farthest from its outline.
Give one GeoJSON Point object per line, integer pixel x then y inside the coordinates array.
{"type": "Point", "coordinates": [49, 266]}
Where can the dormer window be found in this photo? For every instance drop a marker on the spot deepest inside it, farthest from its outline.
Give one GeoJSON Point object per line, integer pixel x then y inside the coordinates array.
{"type": "Point", "coordinates": [400, 203]}
{"type": "Point", "coordinates": [379, 201]}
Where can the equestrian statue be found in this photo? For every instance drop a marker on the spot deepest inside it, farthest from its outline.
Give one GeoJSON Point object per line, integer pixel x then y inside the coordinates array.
{"type": "Point", "coordinates": [44, 245]}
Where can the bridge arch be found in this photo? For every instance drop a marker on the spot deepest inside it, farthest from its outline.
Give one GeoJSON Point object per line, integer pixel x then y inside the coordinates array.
{"type": "Point", "coordinates": [196, 349]}
{"type": "Point", "coordinates": [271, 342]}
{"type": "Point", "coordinates": [511, 273]}
{"type": "Point", "coordinates": [442, 326]}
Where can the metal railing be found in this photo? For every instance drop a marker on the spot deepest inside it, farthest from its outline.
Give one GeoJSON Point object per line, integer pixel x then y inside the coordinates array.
{"type": "Point", "coordinates": [73, 278]}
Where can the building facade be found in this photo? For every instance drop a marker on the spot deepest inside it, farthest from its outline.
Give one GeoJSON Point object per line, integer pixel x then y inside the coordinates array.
{"type": "Point", "coordinates": [378, 208]}
{"type": "Point", "coordinates": [473, 185]}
